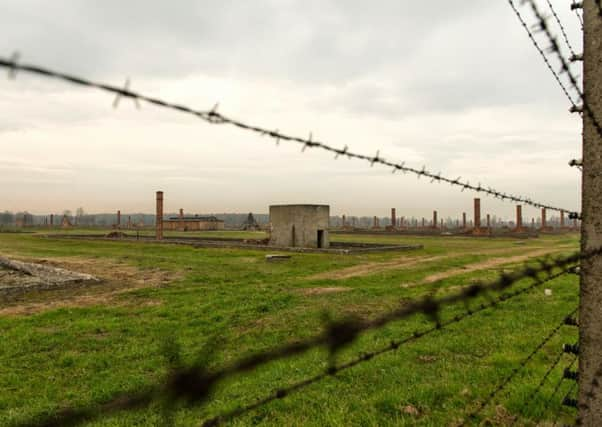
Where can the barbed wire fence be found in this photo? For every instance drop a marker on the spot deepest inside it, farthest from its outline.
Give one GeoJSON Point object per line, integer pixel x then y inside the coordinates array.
{"type": "Point", "coordinates": [195, 384]}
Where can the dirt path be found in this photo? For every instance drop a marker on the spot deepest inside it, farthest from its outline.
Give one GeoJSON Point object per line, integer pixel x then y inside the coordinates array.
{"type": "Point", "coordinates": [405, 262]}
{"type": "Point", "coordinates": [490, 263]}
{"type": "Point", "coordinates": [374, 267]}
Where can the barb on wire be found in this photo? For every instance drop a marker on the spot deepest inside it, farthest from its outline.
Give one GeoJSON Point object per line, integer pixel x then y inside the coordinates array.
{"type": "Point", "coordinates": [502, 385]}
{"type": "Point", "coordinates": [575, 6]}
{"type": "Point", "coordinates": [542, 53]}
{"type": "Point", "coordinates": [562, 30]}
{"type": "Point", "coordinates": [565, 66]}
{"type": "Point", "coordinates": [558, 385]}
{"type": "Point", "coordinates": [194, 384]}
{"type": "Point", "coordinates": [215, 117]}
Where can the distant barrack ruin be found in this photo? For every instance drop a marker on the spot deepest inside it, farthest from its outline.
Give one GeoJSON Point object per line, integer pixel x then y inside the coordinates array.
{"type": "Point", "coordinates": [192, 223]}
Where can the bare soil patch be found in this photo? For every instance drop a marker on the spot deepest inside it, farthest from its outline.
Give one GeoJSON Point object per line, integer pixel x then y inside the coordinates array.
{"type": "Point", "coordinates": [369, 268]}
{"type": "Point", "coordinates": [490, 263]}
{"type": "Point", "coordinates": [320, 291]}
{"type": "Point", "coordinates": [117, 279]}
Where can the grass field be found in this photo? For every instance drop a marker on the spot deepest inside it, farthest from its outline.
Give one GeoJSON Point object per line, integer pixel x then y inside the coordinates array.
{"type": "Point", "coordinates": [71, 347]}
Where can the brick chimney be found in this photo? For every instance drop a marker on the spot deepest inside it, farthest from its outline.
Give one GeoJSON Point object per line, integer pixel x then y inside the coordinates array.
{"type": "Point", "coordinates": [159, 216]}
{"type": "Point", "coordinates": [477, 213]}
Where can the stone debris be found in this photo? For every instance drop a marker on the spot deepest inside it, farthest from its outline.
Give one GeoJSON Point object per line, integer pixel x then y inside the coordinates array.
{"type": "Point", "coordinates": [19, 276]}
{"type": "Point", "coordinates": [272, 257]}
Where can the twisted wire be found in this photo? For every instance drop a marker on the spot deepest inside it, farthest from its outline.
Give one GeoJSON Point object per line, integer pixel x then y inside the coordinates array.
{"type": "Point", "coordinates": [558, 384]}
{"type": "Point", "coordinates": [562, 29]}
{"type": "Point", "coordinates": [566, 396]}
{"type": "Point", "coordinates": [575, 7]}
{"type": "Point", "coordinates": [540, 385]}
{"type": "Point", "coordinates": [542, 53]}
{"type": "Point", "coordinates": [502, 385]}
{"type": "Point", "coordinates": [214, 117]}
{"type": "Point", "coordinates": [565, 66]}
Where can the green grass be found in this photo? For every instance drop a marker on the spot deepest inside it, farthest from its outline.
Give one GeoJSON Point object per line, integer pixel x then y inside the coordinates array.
{"type": "Point", "coordinates": [232, 303]}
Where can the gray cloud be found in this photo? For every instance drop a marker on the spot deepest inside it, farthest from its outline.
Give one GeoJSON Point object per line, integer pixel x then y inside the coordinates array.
{"type": "Point", "coordinates": [455, 83]}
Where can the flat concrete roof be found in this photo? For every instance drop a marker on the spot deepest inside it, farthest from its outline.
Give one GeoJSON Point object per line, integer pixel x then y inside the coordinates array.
{"type": "Point", "coordinates": [299, 204]}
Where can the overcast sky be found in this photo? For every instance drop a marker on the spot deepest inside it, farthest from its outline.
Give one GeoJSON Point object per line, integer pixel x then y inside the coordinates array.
{"type": "Point", "coordinates": [454, 85]}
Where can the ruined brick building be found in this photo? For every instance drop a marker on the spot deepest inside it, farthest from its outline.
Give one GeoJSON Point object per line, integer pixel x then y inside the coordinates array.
{"type": "Point", "coordinates": [192, 223]}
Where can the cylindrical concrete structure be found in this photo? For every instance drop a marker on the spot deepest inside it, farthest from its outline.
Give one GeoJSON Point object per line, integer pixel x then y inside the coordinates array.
{"type": "Point", "coordinates": [477, 213]}
{"type": "Point", "coordinates": [118, 218]}
{"type": "Point", "coordinates": [464, 220]}
{"type": "Point", "coordinates": [393, 218]}
{"type": "Point", "coordinates": [488, 222]}
{"type": "Point", "coordinates": [344, 221]}
{"type": "Point", "coordinates": [434, 219]}
{"type": "Point", "coordinates": [159, 216]}
{"type": "Point", "coordinates": [51, 220]}
{"type": "Point", "coordinates": [543, 218]}
{"type": "Point", "coordinates": [519, 216]}
{"type": "Point", "coordinates": [303, 226]}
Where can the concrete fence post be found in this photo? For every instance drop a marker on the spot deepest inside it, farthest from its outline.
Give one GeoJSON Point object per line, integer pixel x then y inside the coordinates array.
{"type": "Point", "coordinates": [590, 313]}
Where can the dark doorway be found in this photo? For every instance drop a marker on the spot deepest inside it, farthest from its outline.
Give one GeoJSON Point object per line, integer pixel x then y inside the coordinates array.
{"type": "Point", "coordinates": [320, 238]}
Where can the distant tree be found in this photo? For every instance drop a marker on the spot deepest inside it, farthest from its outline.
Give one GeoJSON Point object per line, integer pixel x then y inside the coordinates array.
{"type": "Point", "coordinates": [7, 218]}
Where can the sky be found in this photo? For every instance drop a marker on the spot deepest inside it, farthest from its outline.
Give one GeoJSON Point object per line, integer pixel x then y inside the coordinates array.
{"type": "Point", "coordinates": [453, 85]}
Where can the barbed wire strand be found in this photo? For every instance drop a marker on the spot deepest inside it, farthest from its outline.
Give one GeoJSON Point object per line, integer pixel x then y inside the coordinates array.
{"type": "Point", "coordinates": [393, 346]}
{"type": "Point", "coordinates": [565, 398]}
{"type": "Point", "coordinates": [542, 53]}
{"type": "Point", "coordinates": [195, 384]}
{"type": "Point", "coordinates": [562, 29]}
{"type": "Point", "coordinates": [502, 385]}
{"type": "Point", "coordinates": [565, 66]}
{"type": "Point", "coordinates": [214, 117]}
{"type": "Point", "coordinates": [575, 7]}
{"type": "Point", "coordinates": [559, 384]}
{"type": "Point", "coordinates": [537, 389]}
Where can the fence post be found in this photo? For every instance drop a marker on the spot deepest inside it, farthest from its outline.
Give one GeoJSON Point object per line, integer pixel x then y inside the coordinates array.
{"type": "Point", "coordinates": [590, 315]}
